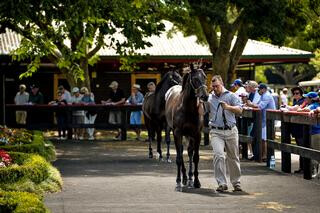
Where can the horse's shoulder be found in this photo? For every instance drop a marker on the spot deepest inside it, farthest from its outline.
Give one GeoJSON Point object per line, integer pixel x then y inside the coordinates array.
{"type": "Point", "coordinates": [173, 91]}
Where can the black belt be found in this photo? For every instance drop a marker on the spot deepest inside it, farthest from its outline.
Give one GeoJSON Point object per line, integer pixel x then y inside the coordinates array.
{"type": "Point", "coordinates": [221, 128]}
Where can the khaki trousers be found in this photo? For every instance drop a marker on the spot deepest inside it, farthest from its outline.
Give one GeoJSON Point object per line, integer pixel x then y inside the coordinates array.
{"type": "Point", "coordinates": [221, 141]}
{"type": "Point", "coordinates": [21, 117]}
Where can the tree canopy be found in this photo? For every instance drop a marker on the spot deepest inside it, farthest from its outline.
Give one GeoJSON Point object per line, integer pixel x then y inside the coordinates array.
{"type": "Point", "coordinates": [226, 26]}
{"type": "Point", "coordinates": [71, 32]}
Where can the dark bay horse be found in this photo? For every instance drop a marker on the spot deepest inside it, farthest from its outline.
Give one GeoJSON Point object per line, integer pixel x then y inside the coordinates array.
{"type": "Point", "coordinates": [153, 110]}
{"type": "Point", "coordinates": [184, 114]}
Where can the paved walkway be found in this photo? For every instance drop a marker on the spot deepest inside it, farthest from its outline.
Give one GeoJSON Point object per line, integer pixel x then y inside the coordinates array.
{"type": "Point", "coordinates": [118, 177]}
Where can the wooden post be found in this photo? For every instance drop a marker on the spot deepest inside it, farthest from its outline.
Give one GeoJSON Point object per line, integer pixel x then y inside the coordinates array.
{"type": "Point", "coordinates": [258, 135]}
{"type": "Point", "coordinates": [306, 161]}
{"type": "Point", "coordinates": [124, 124]}
{"type": "Point", "coordinates": [285, 138]}
{"type": "Point", "coordinates": [244, 130]}
{"type": "Point", "coordinates": [69, 123]}
{"type": "Point", "coordinates": [270, 136]}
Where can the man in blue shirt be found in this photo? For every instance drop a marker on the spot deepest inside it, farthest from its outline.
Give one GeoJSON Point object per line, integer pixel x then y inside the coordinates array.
{"type": "Point", "coordinates": [223, 106]}
{"type": "Point", "coordinates": [136, 98]}
{"type": "Point", "coordinates": [266, 102]}
{"type": "Point", "coordinates": [313, 103]}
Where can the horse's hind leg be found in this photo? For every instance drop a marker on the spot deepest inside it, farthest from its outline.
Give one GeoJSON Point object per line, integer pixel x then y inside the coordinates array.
{"type": "Point", "coordinates": [150, 132]}
{"type": "Point", "coordinates": [190, 154]}
{"type": "Point", "coordinates": [196, 162]}
{"type": "Point", "coordinates": [159, 139]}
{"type": "Point", "coordinates": [168, 141]}
{"type": "Point", "coordinates": [179, 160]}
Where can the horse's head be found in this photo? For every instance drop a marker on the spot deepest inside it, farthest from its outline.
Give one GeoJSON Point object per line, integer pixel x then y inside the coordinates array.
{"type": "Point", "coordinates": [198, 80]}
{"type": "Point", "coordinates": [174, 78]}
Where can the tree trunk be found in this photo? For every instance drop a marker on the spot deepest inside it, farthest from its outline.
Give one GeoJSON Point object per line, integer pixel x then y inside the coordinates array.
{"type": "Point", "coordinates": [72, 81]}
{"type": "Point", "coordinates": [220, 65]}
{"type": "Point", "coordinates": [84, 66]}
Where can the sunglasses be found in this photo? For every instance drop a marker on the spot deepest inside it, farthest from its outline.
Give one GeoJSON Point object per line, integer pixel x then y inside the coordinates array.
{"type": "Point", "coordinates": [296, 93]}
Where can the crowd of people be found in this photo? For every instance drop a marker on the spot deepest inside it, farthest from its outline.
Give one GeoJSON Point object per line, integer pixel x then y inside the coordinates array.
{"type": "Point", "coordinates": [262, 97]}
{"type": "Point", "coordinates": [83, 96]}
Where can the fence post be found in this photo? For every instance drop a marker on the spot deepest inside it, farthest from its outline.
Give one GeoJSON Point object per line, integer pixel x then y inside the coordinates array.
{"type": "Point", "coordinates": [285, 138]}
{"type": "Point", "coordinates": [270, 136]}
{"type": "Point", "coordinates": [124, 124]}
{"type": "Point", "coordinates": [244, 130]}
{"type": "Point", "coordinates": [69, 122]}
{"type": "Point", "coordinates": [306, 161]}
{"type": "Point", "coordinates": [258, 135]}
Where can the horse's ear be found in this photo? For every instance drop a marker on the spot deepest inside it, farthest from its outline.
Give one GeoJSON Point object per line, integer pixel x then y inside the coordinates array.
{"type": "Point", "coordinates": [191, 67]}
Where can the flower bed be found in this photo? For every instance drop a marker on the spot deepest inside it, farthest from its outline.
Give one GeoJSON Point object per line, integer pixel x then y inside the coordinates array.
{"type": "Point", "coordinates": [18, 202]}
{"type": "Point", "coordinates": [31, 173]}
{"type": "Point", "coordinates": [25, 141]}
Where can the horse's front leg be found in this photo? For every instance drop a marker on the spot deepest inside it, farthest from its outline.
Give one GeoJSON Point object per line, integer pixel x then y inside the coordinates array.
{"type": "Point", "coordinates": [190, 154]}
{"type": "Point", "coordinates": [196, 161]}
{"type": "Point", "coordinates": [168, 141]}
{"type": "Point", "coordinates": [183, 168]}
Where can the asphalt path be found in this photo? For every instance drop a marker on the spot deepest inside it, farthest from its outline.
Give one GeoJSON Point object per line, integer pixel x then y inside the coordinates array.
{"type": "Point", "coordinates": [114, 176]}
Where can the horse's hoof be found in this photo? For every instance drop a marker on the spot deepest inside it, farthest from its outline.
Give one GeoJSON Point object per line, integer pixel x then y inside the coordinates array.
{"type": "Point", "coordinates": [184, 181]}
{"type": "Point", "coordinates": [158, 156]}
{"type": "Point", "coordinates": [190, 184]}
{"type": "Point", "coordinates": [178, 187]}
{"type": "Point", "coordinates": [197, 184]}
{"type": "Point", "coordinates": [169, 160]}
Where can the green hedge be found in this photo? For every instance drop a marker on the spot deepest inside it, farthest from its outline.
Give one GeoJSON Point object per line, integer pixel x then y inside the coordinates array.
{"type": "Point", "coordinates": [39, 145]}
{"type": "Point", "coordinates": [32, 174]}
{"type": "Point", "coordinates": [18, 202]}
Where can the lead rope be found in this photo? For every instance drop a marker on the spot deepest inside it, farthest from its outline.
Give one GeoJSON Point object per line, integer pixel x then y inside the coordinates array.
{"type": "Point", "coordinates": [223, 116]}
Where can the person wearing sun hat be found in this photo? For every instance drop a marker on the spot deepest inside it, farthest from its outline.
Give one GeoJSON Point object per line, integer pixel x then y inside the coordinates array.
{"type": "Point", "coordinates": [239, 88]}
{"type": "Point", "coordinates": [313, 105]}
{"type": "Point", "coordinates": [299, 102]}
{"type": "Point", "coordinates": [78, 115]}
{"type": "Point", "coordinates": [136, 98]}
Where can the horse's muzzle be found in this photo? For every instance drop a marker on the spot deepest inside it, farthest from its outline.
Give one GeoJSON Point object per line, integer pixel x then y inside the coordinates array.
{"type": "Point", "coordinates": [204, 97]}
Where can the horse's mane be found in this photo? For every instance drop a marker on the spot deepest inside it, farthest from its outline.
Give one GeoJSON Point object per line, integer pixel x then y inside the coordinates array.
{"type": "Point", "coordinates": [160, 92]}
{"type": "Point", "coordinates": [163, 80]}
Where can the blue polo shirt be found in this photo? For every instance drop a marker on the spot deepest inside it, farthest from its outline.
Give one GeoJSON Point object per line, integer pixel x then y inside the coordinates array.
{"type": "Point", "coordinates": [315, 129]}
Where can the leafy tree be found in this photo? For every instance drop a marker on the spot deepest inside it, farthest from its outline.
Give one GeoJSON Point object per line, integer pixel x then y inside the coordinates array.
{"type": "Point", "coordinates": [291, 74]}
{"type": "Point", "coordinates": [71, 32]}
{"type": "Point", "coordinates": [218, 22]}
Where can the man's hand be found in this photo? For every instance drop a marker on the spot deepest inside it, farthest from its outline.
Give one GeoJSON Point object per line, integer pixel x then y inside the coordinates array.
{"type": "Point", "coordinates": [224, 105]}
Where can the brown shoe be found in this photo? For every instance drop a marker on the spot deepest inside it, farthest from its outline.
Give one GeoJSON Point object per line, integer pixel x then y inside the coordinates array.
{"type": "Point", "coordinates": [222, 188]}
{"type": "Point", "coordinates": [237, 188]}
